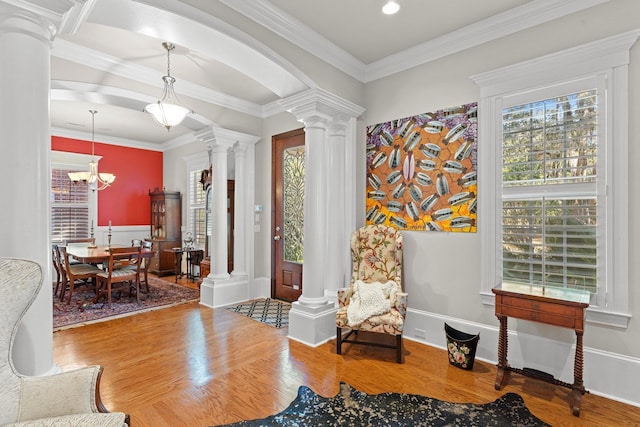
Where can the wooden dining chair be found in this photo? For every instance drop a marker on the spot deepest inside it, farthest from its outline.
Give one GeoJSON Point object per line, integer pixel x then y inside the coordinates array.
{"type": "Point", "coordinates": [120, 272]}
{"type": "Point", "coordinates": [75, 273]}
{"type": "Point", "coordinates": [57, 266]}
{"type": "Point", "coordinates": [144, 263]}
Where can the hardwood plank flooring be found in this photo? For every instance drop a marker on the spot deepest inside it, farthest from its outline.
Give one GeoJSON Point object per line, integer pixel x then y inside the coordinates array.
{"type": "Point", "coordinates": [193, 366]}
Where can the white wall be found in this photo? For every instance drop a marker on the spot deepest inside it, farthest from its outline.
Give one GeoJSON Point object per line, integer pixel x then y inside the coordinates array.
{"type": "Point", "coordinates": [439, 290]}
{"type": "Point", "coordinates": [437, 285]}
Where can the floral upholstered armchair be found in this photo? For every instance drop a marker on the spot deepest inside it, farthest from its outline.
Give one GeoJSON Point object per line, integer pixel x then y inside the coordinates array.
{"type": "Point", "coordinates": [374, 301]}
{"type": "Point", "coordinates": [65, 399]}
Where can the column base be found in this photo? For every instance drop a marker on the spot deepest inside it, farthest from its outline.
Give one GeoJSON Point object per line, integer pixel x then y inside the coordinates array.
{"type": "Point", "coordinates": [312, 325]}
{"type": "Point", "coordinates": [225, 291]}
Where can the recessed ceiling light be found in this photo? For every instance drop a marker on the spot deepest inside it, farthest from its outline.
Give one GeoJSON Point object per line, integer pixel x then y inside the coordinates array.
{"type": "Point", "coordinates": [390, 8]}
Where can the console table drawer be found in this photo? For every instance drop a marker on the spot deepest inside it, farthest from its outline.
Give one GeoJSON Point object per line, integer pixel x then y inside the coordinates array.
{"type": "Point", "coordinates": [567, 320]}
{"type": "Point", "coordinates": [540, 311]}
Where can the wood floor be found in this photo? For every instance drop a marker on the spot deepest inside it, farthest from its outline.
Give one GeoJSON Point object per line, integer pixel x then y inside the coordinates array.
{"type": "Point", "coordinates": [193, 366]}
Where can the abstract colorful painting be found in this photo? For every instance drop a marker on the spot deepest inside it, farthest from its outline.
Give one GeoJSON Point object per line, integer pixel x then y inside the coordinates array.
{"type": "Point", "coordinates": [422, 171]}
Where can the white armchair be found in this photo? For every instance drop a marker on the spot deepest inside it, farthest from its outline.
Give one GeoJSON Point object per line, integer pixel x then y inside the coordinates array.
{"type": "Point", "coordinates": [66, 399]}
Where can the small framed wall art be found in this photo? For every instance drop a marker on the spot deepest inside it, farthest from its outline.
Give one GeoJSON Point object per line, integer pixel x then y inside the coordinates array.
{"type": "Point", "coordinates": [422, 171]}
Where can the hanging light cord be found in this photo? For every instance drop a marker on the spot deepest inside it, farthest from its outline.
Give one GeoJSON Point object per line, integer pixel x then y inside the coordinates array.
{"type": "Point", "coordinates": [93, 132]}
{"type": "Point", "coordinates": [169, 47]}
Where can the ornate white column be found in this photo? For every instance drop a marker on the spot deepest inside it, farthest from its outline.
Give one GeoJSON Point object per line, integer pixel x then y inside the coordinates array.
{"type": "Point", "coordinates": [220, 230]}
{"type": "Point", "coordinates": [312, 317]}
{"type": "Point", "coordinates": [26, 31]}
{"type": "Point", "coordinates": [241, 206]}
{"type": "Point", "coordinates": [338, 237]}
{"type": "Point", "coordinates": [315, 211]}
{"type": "Point", "coordinates": [221, 288]}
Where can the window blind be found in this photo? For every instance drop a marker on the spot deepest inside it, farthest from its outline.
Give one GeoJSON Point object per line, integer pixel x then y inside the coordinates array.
{"type": "Point", "coordinates": [197, 209]}
{"type": "Point", "coordinates": [69, 208]}
{"type": "Point", "coordinates": [550, 199]}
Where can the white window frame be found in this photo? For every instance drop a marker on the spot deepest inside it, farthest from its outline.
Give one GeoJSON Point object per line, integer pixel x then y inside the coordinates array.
{"type": "Point", "coordinates": [195, 163]}
{"type": "Point", "coordinates": [606, 60]}
{"type": "Point", "coordinates": [77, 162]}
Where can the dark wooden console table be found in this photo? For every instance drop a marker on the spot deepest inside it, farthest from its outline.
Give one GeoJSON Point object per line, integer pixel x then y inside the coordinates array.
{"type": "Point", "coordinates": [553, 306]}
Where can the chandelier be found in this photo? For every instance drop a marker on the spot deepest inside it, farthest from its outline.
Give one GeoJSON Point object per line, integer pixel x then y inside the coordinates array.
{"type": "Point", "coordinates": [97, 181]}
{"type": "Point", "coordinates": [168, 111]}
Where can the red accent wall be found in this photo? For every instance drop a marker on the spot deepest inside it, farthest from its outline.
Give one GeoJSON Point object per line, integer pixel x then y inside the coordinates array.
{"type": "Point", "coordinates": [126, 201]}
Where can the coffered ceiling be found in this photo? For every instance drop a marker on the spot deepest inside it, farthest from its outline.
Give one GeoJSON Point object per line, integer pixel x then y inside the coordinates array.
{"type": "Point", "coordinates": [109, 56]}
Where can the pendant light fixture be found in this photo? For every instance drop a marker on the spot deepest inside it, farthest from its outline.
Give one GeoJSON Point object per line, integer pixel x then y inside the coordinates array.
{"type": "Point", "coordinates": [97, 181]}
{"type": "Point", "coordinates": [168, 111]}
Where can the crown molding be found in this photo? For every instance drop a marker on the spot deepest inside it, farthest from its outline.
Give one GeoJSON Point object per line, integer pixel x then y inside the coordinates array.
{"type": "Point", "coordinates": [533, 13]}
{"type": "Point", "coordinates": [280, 22]}
{"type": "Point", "coordinates": [509, 22]}
{"type": "Point", "coordinates": [104, 139]}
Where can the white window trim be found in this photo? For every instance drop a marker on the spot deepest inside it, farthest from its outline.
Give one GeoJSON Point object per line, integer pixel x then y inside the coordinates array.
{"type": "Point", "coordinates": [78, 162]}
{"type": "Point", "coordinates": [609, 57]}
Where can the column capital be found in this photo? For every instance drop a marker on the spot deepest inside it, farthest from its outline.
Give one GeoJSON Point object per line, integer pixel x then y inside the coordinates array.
{"type": "Point", "coordinates": [338, 127]}
{"type": "Point", "coordinates": [53, 16]}
{"type": "Point", "coordinates": [214, 136]}
{"type": "Point", "coordinates": [320, 105]}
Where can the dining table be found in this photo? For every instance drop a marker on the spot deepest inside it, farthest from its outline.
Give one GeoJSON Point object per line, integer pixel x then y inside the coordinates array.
{"type": "Point", "coordinates": [98, 254]}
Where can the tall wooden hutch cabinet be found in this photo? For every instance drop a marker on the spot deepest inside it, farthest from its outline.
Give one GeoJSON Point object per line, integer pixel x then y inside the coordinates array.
{"type": "Point", "coordinates": [166, 223]}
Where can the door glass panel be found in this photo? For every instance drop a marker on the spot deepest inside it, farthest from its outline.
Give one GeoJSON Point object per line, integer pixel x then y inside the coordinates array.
{"type": "Point", "coordinates": [293, 203]}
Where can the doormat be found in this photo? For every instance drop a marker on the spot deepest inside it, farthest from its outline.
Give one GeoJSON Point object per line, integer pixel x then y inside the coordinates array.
{"type": "Point", "coordinates": [268, 311]}
{"type": "Point", "coordinates": [82, 311]}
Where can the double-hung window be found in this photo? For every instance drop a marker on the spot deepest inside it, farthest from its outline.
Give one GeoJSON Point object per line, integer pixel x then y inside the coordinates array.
{"type": "Point", "coordinates": [549, 185]}
{"type": "Point", "coordinates": [552, 175]}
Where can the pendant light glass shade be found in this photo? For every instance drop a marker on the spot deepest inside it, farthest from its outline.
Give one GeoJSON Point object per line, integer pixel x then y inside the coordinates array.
{"type": "Point", "coordinates": [96, 180]}
{"type": "Point", "coordinates": [167, 111]}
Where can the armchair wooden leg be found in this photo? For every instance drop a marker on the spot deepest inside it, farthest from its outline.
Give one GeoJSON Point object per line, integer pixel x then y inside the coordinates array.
{"type": "Point", "coordinates": [399, 349]}
{"type": "Point", "coordinates": [339, 341]}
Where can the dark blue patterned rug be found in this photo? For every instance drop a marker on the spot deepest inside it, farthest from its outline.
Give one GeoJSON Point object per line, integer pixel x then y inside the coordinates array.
{"type": "Point", "coordinates": [351, 407]}
{"type": "Point", "coordinates": [268, 311]}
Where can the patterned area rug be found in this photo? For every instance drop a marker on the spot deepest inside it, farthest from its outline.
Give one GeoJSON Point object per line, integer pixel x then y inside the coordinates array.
{"type": "Point", "coordinates": [81, 311]}
{"type": "Point", "coordinates": [269, 311]}
{"type": "Point", "coordinates": [351, 407]}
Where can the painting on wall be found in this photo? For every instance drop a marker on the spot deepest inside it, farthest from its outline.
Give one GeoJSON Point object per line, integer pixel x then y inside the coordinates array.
{"type": "Point", "coordinates": [421, 171]}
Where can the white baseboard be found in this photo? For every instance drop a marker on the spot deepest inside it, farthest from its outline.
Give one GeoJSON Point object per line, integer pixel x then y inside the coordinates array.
{"type": "Point", "coordinates": [606, 374]}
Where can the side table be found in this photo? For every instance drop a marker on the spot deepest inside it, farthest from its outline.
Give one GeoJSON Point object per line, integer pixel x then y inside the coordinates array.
{"type": "Point", "coordinates": [553, 306]}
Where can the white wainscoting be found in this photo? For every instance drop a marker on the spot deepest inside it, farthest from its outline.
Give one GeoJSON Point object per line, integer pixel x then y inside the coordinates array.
{"type": "Point", "coordinates": [606, 374]}
{"type": "Point", "coordinates": [122, 235]}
